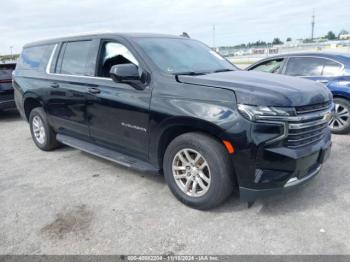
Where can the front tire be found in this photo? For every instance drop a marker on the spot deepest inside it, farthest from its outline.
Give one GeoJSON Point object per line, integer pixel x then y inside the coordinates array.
{"type": "Point", "coordinates": [43, 135]}
{"type": "Point", "coordinates": [340, 123]}
{"type": "Point", "coordinates": [198, 170]}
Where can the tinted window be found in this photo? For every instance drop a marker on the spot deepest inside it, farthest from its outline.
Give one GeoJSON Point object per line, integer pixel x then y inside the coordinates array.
{"type": "Point", "coordinates": [304, 66]}
{"type": "Point", "coordinates": [35, 58]}
{"type": "Point", "coordinates": [271, 66]}
{"type": "Point", "coordinates": [114, 54]}
{"type": "Point", "coordinates": [6, 71]}
{"type": "Point", "coordinates": [74, 58]}
{"type": "Point", "coordinates": [176, 55]}
{"type": "Point", "coordinates": [331, 68]}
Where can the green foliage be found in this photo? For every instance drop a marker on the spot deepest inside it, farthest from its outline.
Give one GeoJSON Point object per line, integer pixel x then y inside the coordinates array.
{"type": "Point", "coordinates": [277, 41]}
{"type": "Point", "coordinates": [6, 58]}
{"type": "Point", "coordinates": [330, 36]}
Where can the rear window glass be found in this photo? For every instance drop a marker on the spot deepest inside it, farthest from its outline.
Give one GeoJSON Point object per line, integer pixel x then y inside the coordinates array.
{"type": "Point", "coordinates": [35, 58]}
{"type": "Point", "coordinates": [6, 71]}
{"type": "Point", "coordinates": [74, 57]}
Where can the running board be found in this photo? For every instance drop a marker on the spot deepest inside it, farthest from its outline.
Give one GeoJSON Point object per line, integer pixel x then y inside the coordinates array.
{"type": "Point", "coordinates": [116, 157]}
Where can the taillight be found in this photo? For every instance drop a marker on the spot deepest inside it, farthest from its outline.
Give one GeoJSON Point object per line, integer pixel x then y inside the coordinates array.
{"type": "Point", "coordinates": [6, 81]}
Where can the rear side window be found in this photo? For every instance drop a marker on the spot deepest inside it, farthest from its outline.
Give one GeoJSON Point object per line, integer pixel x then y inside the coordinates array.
{"type": "Point", "coordinates": [35, 58]}
{"type": "Point", "coordinates": [74, 58]}
{"type": "Point", "coordinates": [304, 66]}
{"type": "Point", "coordinates": [331, 68]}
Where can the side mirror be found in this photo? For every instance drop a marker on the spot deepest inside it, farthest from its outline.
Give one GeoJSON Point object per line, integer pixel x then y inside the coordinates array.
{"type": "Point", "coordinates": [127, 73]}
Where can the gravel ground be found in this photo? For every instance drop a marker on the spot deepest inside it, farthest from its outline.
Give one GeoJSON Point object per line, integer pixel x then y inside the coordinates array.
{"type": "Point", "coordinates": [69, 202]}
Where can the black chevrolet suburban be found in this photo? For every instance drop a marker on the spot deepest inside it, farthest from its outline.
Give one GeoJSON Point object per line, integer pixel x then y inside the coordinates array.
{"type": "Point", "coordinates": [171, 105]}
{"type": "Point", "coordinates": [6, 91]}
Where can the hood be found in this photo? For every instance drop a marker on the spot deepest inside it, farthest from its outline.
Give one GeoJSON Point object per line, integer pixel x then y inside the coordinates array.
{"type": "Point", "coordinates": [264, 89]}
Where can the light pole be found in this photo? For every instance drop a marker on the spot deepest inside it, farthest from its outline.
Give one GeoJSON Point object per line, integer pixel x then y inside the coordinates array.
{"type": "Point", "coordinates": [11, 47]}
{"type": "Point", "coordinates": [214, 44]}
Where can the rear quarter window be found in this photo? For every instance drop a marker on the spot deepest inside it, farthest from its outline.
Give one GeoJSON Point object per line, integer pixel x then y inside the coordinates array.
{"type": "Point", "coordinates": [35, 58]}
{"type": "Point", "coordinates": [331, 68]}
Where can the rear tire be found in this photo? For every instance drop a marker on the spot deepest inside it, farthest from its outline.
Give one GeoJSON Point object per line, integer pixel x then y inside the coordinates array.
{"type": "Point", "coordinates": [201, 184]}
{"type": "Point", "coordinates": [43, 135]}
{"type": "Point", "coordinates": [340, 123]}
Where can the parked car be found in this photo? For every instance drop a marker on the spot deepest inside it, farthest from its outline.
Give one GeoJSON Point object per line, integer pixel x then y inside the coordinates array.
{"type": "Point", "coordinates": [172, 105]}
{"type": "Point", "coordinates": [333, 70]}
{"type": "Point", "coordinates": [6, 91]}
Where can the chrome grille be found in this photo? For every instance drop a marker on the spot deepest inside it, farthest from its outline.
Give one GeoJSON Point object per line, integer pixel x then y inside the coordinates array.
{"type": "Point", "coordinates": [311, 127]}
{"type": "Point", "coordinates": [312, 108]}
{"type": "Point", "coordinates": [306, 133]}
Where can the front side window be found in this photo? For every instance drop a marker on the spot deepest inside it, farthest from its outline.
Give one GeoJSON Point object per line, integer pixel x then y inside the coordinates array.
{"type": "Point", "coordinates": [74, 58]}
{"type": "Point", "coordinates": [112, 54]}
{"type": "Point", "coordinates": [271, 66]}
{"type": "Point", "coordinates": [175, 55]}
{"type": "Point", "coordinates": [304, 66]}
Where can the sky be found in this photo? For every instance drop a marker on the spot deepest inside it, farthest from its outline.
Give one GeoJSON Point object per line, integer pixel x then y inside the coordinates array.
{"type": "Point", "coordinates": [236, 21]}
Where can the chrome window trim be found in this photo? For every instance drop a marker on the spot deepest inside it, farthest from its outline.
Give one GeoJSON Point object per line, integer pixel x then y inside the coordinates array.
{"type": "Point", "coordinates": [86, 77]}
{"type": "Point", "coordinates": [48, 66]}
{"type": "Point", "coordinates": [313, 56]}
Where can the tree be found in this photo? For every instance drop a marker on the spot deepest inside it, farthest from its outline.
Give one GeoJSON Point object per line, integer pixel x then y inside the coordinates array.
{"type": "Point", "coordinates": [331, 36]}
{"type": "Point", "coordinates": [277, 41]}
{"type": "Point", "coordinates": [289, 39]}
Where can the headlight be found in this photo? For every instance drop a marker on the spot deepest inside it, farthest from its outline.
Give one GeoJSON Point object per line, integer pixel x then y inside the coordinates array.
{"type": "Point", "coordinates": [263, 112]}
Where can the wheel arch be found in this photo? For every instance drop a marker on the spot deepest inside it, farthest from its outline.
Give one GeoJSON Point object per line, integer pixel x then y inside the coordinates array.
{"type": "Point", "coordinates": [342, 96]}
{"type": "Point", "coordinates": [180, 126]}
{"type": "Point", "coordinates": [30, 102]}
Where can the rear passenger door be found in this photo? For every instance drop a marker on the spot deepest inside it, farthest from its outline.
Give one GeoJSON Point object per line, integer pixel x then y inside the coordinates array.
{"type": "Point", "coordinates": [70, 80]}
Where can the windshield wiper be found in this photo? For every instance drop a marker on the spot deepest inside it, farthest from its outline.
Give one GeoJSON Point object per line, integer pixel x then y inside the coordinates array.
{"type": "Point", "coordinates": [223, 70]}
{"type": "Point", "coordinates": [191, 73]}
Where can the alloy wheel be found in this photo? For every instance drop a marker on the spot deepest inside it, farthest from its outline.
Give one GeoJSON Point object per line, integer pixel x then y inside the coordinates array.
{"type": "Point", "coordinates": [38, 129]}
{"type": "Point", "coordinates": [340, 118]}
{"type": "Point", "coordinates": [191, 172]}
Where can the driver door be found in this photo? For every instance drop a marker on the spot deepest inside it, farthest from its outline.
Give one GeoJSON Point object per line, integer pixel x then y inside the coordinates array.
{"type": "Point", "coordinates": [118, 114]}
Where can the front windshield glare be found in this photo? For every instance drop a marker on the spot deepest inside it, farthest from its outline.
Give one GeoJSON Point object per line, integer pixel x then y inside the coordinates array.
{"type": "Point", "coordinates": [176, 56]}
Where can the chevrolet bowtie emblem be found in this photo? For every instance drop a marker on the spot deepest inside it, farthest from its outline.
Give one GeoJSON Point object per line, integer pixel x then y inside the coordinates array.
{"type": "Point", "coordinates": [328, 116]}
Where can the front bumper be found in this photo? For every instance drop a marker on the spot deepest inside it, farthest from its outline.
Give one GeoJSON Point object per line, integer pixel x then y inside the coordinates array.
{"type": "Point", "coordinates": [262, 167]}
{"type": "Point", "coordinates": [290, 173]}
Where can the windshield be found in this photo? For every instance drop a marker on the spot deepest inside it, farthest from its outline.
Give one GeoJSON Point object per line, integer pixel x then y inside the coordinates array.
{"type": "Point", "coordinates": [183, 56]}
